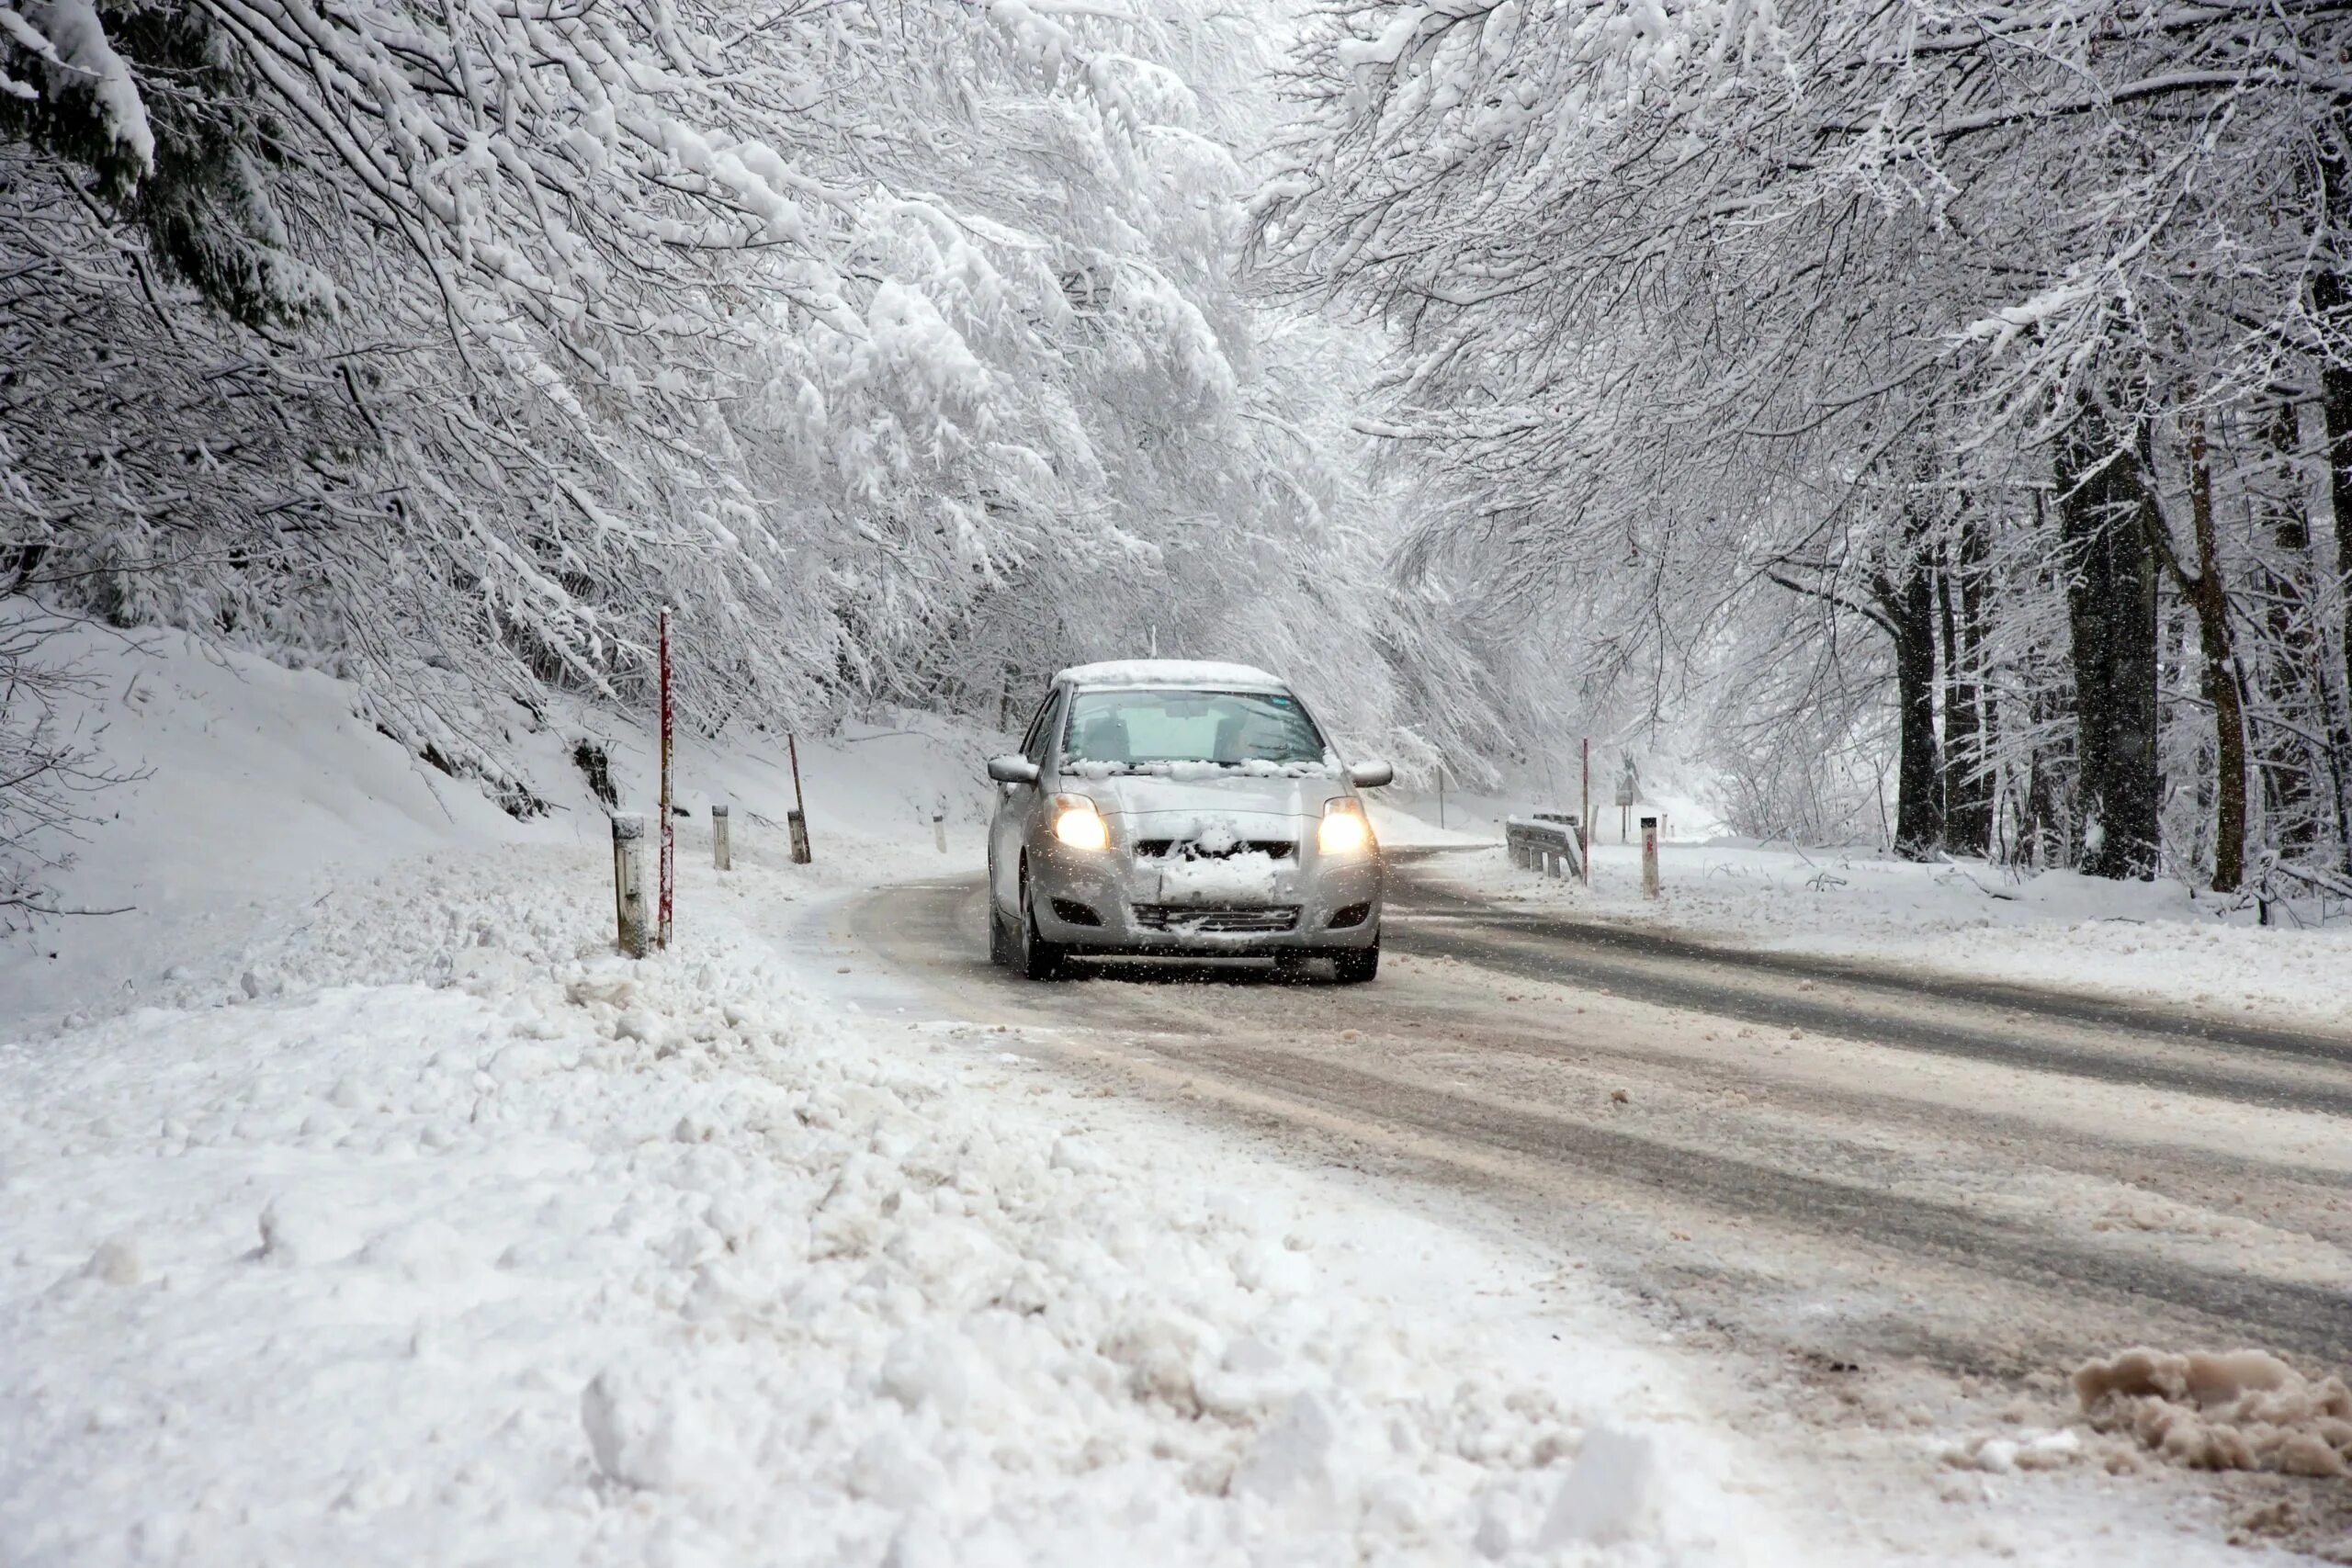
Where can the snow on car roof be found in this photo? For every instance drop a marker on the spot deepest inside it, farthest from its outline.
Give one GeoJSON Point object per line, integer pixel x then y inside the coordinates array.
{"type": "Point", "coordinates": [1170, 673]}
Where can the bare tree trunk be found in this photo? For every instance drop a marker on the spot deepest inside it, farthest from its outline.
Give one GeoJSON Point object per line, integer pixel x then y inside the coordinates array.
{"type": "Point", "coordinates": [2046, 794]}
{"type": "Point", "coordinates": [2104, 511]}
{"type": "Point", "coordinates": [2332, 300]}
{"type": "Point", "coordinates": [2050, 839]}
{"type": "Point", "coordinates": [1968, 787]}
{"type": "Point", "coordinates": [1975, 616]}
{"type": "Point", "coordinates": [1910, 608]}
{"type": "Point", "coordinates": [1957, 720]}
{"type": "Point", "coordinates": [2293, 757]}
{"type": "Point", "coordinates": [2204, 594]}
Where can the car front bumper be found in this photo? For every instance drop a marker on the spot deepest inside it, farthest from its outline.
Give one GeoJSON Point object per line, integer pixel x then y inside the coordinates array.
{"type": "Point", "coordinates": [1143, 906]}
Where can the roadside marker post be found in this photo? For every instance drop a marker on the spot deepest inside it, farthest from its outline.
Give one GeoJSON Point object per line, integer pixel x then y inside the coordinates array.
{"type": "Point", "coordinates": [796, 820]}
{"type": "Point", "coordinates": [939, 830]}
{"type": "Point", "coordinates": [669, 827]}
{"type": "Point", "coordinates": [629, 882]}
{"type": "Point", "coordinates": [722, 854]}
{"type": "Point", "coordinates": [1649, 857]}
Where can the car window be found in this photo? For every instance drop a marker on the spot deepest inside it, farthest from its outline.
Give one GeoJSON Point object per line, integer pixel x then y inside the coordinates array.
{"type": "Point", "coordinates": [1151, 729]}
{"type": "Point", "coordinates": [1038, 743]}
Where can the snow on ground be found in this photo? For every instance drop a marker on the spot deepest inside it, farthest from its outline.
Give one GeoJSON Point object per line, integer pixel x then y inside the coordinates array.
{"type": "Point", "coordinates": [532, 1254]}
{"type": "Point", "coordinates": [257, 789]}
{"type": "Point", "coordinates": [1422, 816]}
{"type": "Point", "coordinates": [378, 1212]}
{"type": "Point", "coordinates": [2151, 941]}
{"type": "Point", "coordinates": [1399, 827]}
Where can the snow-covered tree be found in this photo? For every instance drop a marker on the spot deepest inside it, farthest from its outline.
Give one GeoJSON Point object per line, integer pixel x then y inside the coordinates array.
{"type": "Point", "coordinates": [901, 349]}
{"type": "Point", "coordinates": [1737, 329]}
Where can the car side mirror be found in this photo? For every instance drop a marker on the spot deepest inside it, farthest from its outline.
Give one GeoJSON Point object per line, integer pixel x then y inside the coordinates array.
{"type": "Point", "coordinates": [1012, 770]}
{"type": "Point", "coordinates": [1371, 775]}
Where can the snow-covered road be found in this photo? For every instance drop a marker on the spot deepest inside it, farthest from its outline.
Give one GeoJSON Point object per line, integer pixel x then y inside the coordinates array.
{"type": "Point", "coordinates": [1907, 1213]}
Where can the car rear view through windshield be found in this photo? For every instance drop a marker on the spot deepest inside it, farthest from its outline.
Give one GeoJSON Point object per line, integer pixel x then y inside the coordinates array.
{"type": "Point", "coordinates": [1145, 729]}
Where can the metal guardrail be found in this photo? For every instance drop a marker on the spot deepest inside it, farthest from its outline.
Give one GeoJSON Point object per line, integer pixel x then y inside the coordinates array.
{"type": "Point", "coordinates": [1548, 842]}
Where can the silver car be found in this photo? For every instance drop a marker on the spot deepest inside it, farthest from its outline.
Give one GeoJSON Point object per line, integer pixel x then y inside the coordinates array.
{"type": "Point", "coordinates": [1178, 809]}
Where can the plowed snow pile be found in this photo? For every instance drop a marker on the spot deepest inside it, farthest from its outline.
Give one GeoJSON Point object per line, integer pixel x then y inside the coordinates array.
{"type": "Point", "coordinates": [2242, 1410]}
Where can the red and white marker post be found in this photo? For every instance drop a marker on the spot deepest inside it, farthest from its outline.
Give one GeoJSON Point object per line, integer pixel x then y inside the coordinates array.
{"type": "Point", "coordinates": [669, 827]}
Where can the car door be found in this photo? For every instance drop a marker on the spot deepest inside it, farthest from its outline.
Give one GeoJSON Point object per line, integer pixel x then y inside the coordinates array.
{"type": "Point", "coordinates": [1016, 807]}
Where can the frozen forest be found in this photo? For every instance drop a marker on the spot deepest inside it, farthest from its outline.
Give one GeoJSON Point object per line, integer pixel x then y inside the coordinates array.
{"type": "Point", "coordinates": [1936, 419]}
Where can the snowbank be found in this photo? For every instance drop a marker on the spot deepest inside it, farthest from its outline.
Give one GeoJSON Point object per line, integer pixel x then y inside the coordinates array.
{"type": "Point", "coordinates": [1471, 817]}
{"type": "Point", "coordinates": [256, 789]}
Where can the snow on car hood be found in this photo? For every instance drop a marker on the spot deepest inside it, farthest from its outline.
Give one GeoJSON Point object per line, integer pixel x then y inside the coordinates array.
{"type": "Point", "coordinates": [1210, 793]}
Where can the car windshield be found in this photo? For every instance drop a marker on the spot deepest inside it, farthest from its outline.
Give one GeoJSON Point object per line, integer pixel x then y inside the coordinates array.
{"type": "Point", "coordinates": [1147, 730]}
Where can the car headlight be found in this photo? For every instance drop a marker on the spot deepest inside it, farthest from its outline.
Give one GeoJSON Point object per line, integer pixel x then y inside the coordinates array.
{"type": "Point", "coordinates": [1078, 823]}
{"type": "Point", "coordinates": [1345, 831]}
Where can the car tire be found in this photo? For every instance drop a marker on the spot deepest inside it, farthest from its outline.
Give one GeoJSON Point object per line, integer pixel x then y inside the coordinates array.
{"type": "Point", "coordinates": [1354, 965]}
{"type": "Point", "coordinates": [1033, 956]}
{"type": "Point", "coordinates": [999, 937]}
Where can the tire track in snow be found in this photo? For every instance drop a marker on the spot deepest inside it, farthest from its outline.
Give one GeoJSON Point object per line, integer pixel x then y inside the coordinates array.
{"type": "Point", "coordinates": [2306, 1318]}
{"type": "Point", "coordinates": [1566, 953]}
{"type": "Point", "coordinates": [1241, 1041]}
{"type": "Point", "coordinates": [1427, 897]}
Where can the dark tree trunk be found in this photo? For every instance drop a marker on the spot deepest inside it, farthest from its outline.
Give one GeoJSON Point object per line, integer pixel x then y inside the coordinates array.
{"type": "Point", "coordinates": [2106, 523]}
{"type": "Point", "coordinates": [1975, 616]}
{"type": "Point", "coordinates": [1910, 608]}
{"type": "Point", "coordinates": [1968, 787]}
{"type": "Point", "coordinates": [1958, 718]}
{"type": "Point", "coordinates": [2206, 595]}
{"type": "Point", "coordinates": [24, 561]}
{"type": "Point", "coordinates": [2046, 828]}
{"type": "Point", "coordinates": [2332, 298]}
{"type": "Point", "coordinates": [2049, 834]}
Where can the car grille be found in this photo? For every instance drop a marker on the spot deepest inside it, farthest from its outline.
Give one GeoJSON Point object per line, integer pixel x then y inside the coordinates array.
{"type": "Point", "coordinates": [1162, 849]}
{"type": "Point", "coordinates": [1217, 920]}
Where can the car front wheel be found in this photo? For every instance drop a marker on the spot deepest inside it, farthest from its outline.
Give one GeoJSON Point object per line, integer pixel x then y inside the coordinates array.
{"type": "Point", "coordinates": [1354, 965]}
{"type": "Point", "coordinates": [1033, 956]}
{"type": "Point", "coordinates": [1000, 941]}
